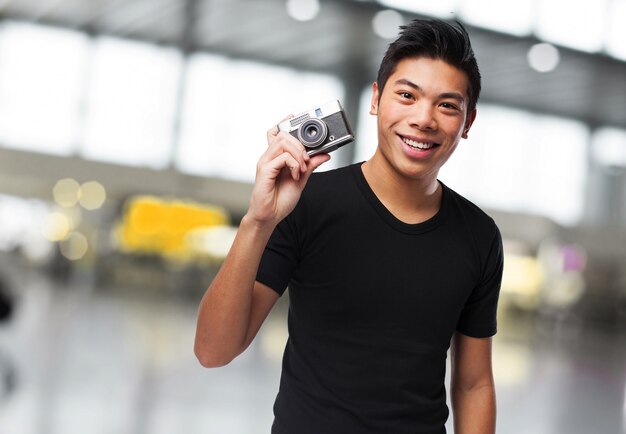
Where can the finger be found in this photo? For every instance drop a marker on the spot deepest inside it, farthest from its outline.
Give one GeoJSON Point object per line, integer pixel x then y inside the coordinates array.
{"type": "Point", "coordinates": [315, 162]}
{"type": "Point", "coordinates": [285, 160]}
{"type": "Point", "coordinates": [272, 132]}
{"type": "Point", "coordinates": [293, 165]}
{"type": "Point", "coordinates": [285, 142]}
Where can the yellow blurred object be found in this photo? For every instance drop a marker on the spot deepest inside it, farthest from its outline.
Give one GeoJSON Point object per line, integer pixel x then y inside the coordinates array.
{"type": "Point", "coordinates": [522, 280]}
{"type": "Point", "coordinates": [153, 225]}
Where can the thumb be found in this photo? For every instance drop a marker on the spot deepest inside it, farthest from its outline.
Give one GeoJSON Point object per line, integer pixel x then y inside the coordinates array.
{"type": "Point", "coordinates": [317, 161]}
{"type": "Point", "coordinates": [313, 164]}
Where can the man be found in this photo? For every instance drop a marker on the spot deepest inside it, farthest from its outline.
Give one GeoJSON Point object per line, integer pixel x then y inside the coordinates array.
{"type": "Point", "coordinates": [386, 266]}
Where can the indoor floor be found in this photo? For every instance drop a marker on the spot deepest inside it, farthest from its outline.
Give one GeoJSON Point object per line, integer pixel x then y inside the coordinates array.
{"type": "Point", "coordinates": [74, 360]}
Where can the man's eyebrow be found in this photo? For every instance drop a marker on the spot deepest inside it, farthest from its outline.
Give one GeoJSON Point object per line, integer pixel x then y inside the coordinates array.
{"type": "Point", "coordinates": [407, 83]}
{"type": "Point", "coordinates": [454, 95]}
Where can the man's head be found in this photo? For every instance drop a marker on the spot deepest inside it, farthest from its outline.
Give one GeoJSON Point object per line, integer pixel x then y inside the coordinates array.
{"type": "Point", "coordinates": [434, 39]}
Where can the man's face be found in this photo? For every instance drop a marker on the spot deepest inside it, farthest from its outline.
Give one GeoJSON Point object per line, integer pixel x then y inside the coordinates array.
{"type": "Point", "coordinates": [422, 115]}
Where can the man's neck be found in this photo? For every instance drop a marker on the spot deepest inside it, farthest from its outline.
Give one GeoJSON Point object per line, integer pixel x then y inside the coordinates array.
{"type": "Point", "coordinates": [410, 200]}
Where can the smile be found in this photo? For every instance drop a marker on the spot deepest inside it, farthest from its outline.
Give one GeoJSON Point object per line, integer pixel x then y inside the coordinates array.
{"type": "Point", "coordinates": [415, 144]}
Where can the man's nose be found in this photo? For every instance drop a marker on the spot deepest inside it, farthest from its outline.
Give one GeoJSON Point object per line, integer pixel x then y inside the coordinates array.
{"type": "Point", "coordinates": [422, 116]}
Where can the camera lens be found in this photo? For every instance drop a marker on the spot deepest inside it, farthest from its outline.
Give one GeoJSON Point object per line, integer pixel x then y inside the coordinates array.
{"type": "Point", "coordinates": [312, 133]}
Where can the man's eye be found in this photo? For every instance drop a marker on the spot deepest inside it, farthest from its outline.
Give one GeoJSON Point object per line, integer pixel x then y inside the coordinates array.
{"type": "Point", "coordinates": [450, 106]}
{"type": "Point", "coordinates": [406, 95]}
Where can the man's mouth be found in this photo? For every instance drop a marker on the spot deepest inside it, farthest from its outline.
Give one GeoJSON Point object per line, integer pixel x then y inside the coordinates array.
{"type": "Point", "coordinates": [419, 144]}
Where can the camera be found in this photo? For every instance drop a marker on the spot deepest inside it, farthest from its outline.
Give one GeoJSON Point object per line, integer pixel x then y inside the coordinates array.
{"type": "Point", "coordinates": [321, 130]}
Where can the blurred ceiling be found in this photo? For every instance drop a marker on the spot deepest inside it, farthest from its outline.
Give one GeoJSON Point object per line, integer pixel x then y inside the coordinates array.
{"type": "Point", "coordinates": [588, 87]}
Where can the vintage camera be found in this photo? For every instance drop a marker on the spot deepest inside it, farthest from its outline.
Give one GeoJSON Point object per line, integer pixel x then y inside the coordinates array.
{"type": "Point", "coordinates": [321, 130]}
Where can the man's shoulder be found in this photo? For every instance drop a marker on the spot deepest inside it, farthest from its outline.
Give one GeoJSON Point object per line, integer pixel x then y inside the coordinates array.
{"type": "Point", "coordinates": [332, 191]}
{"type": "Point", "coordinates": [473, 214]}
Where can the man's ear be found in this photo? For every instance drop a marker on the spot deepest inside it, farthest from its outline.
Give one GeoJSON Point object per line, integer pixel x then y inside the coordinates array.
{"type": "Point", "coordinates": [375, 97]}
{"type": "Point", "coordinates": [468, 123]}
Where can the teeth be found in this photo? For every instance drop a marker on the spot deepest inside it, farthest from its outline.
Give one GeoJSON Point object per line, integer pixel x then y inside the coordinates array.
{"type": "Point", "coordinates": [418, 145]}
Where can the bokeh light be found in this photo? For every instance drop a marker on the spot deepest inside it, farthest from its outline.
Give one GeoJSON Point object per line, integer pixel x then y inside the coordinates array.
{"type": "Point", "coordinates": [56, 226]}
{"type": "Point", "coordinates": [66, 192]}
{"type": "Point", "coordinates": [74, 247]}
{"type": "Point", "coordinates": [543, 57]}
{"type": "Point", "coordinates": [93, 195]}
{"type": "Point", "coordinates": [303, 10]}
{"type": "Point", "coordinates": [386, 23]}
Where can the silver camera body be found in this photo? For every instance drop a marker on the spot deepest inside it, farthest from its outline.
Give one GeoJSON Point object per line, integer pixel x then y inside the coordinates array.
{"type": "Point", "coordinates": [321, 129]}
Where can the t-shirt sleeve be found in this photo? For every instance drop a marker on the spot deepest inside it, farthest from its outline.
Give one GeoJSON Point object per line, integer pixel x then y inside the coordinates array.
{"type": "Point", "coordinates": [280, 256]}
{"type": "Point", "coordinates": [479, 316]}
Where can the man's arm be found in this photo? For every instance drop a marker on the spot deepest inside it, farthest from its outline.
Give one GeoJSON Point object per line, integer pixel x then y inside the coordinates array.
{"type": "Point", "coordinates": [235, 305]}
{"type": "Point", "coordinates": [472, 388]}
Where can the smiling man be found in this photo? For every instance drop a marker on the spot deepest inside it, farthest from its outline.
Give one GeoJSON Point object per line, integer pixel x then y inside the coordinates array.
{"type": "Point", "coordinates": [387, 267]}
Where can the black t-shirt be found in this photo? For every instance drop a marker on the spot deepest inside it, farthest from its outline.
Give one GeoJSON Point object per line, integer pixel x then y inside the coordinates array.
{"type": "Point", "coordinates": [373, 304]}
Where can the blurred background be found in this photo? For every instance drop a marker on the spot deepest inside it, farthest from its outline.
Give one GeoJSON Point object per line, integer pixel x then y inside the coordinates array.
{"type": "Point", "coordinates": [129, 132]}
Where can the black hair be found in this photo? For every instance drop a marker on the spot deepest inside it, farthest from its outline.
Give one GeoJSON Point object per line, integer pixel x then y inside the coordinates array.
{"type": "Point", "coordinates": [435, 39]}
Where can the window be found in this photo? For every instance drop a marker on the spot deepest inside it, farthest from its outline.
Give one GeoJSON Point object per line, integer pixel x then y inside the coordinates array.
{"type": "Point", "coordinates": [579, 25]}
{"type": "Point", "coordinates": [616, 31]}
{"type": "Point", "coordinates": [367, 134]}
{"type": "Point", "coordinates": [229, 106]}
{"type": "Point", "coordinates": [609, 147]}
{"type": "Point", "coordinates": [508, 17]}
{"type": "Point", "coordinates": [41, 80]}
{"type": "Point", "coordinates": [520, 162]}
{"type": "Point", "coordinates": [131, 103]}
{"type": "Point", "coordinates": [440, 8]}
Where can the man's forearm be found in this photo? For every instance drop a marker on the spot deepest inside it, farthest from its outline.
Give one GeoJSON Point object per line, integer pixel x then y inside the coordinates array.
{"type": "Point", "coordinates": [474, 410]}
{"type": "Point", "coordinates": [224, 313]}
